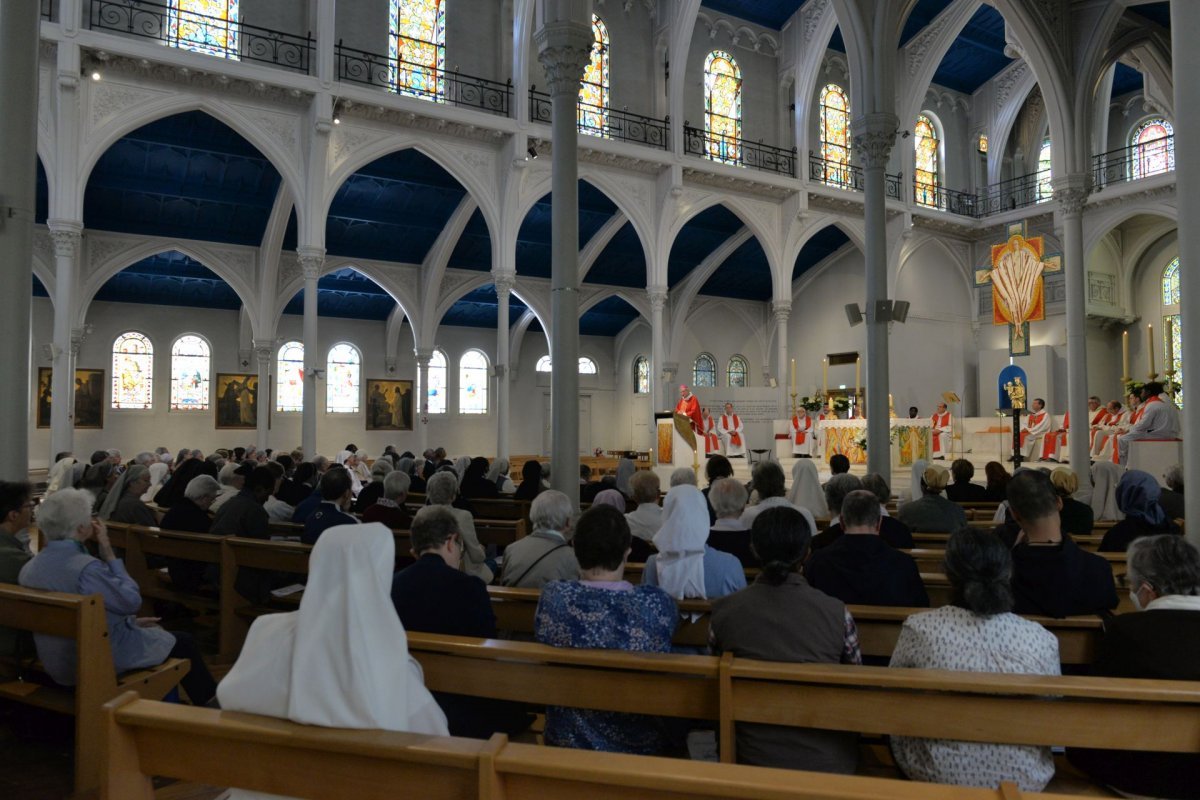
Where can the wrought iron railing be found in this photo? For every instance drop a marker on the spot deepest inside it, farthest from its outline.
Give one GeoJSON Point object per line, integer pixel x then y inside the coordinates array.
{"type": "Point", "coordinates": [952, 200]}
{"type": "Point", "coordinates": [849, 176]}
{"type": "Point", "coordinates": [233, 39]}
{"type": "Point", "coordinates": [395, 75]}
{"type": "Point", "coordinates": [607, 123]}
{"type": "Point", "coordinates": [47, 9]}
{"type": "Point", "coordinates": [1133, 162]}
{"type": "Point", "coordinates": [739, 152]}
{"type": "Point", "coordinates": [892, 185]}
{"type": "Point", "coordinates": [1019, 192]}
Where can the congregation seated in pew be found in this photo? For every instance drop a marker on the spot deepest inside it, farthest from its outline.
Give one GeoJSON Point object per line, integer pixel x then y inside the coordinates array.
{"type": "Point", "coordinates": [546, 554]}
{"type": "Point", "coordinates": [685, 566]}
{"type": "Point", "coordinates": [1138, 499]}
{"type": "Point", "coordinates": [930, 511]}
{"type": "Point", "coordinates": [389, 507]}
{"type": "Point", "coordinates": [442, 490]}
{"type": "Point", "coordinates": [727, 497]}
{"type": "Point", "coordinates": [190, 515]}
{"type": "Point", "coordinates": [16, 515]}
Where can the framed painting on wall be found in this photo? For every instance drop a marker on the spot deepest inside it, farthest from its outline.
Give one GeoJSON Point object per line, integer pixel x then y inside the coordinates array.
{"type": "Point", "coordinates": [389, 405]}
{"type": "Point", "coordinates": [89, 397]}
{"type": "Point", "coordinates": [236, 401]}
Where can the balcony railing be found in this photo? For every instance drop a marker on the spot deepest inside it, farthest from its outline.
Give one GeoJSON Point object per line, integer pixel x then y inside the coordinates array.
{"type": "Point", "coordinates": [1020, 192]}
{"type": "Point", "coordinates": [738, 152]}
{"type": "Point", "coordinates": [607, 123]}
{"type": "Point", "coordinates": [201, 33]}
{"type": "Point", "coordinates": [848, 176]}
{"type": "Point", "coordinates": [452, 88]}
{"type": "Point", "coordinates": [1133, 162]}
{"type": "Point", "coordinates": [951, 200]}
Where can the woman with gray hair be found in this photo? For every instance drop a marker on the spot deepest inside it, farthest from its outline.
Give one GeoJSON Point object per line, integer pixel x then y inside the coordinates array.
{"type": "Point", "coordinates": [373, 490]}
{"type": "Point", "coordinates": [977, 632]}
{"type": "Point", "coordinates": [64, 565]}
{"type": "Point", "coordinates": [124, 501]}
{"type": "Point", "coordinates": [190, 514]}
{"type": "Point", "coordinates": [441, 490]}
{"type": "Point", "coordinates": [1162, 641]}
{"type": "Point", "coordinates": [544, 555]}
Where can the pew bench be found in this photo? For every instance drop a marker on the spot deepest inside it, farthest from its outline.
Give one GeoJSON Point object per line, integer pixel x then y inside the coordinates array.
{"type": "Point", "coordinates": [82, 619]}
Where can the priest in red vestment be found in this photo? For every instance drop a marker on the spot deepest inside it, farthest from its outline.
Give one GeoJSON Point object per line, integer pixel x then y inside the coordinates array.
{"type": "Point", "coordinates": [689, 406]}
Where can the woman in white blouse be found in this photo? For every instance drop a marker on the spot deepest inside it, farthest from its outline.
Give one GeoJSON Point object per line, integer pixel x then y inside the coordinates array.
{"type": "Point", "coordinates": [976, 633]}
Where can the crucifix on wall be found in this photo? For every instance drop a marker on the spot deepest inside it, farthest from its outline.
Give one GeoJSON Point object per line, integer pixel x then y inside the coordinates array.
{"type": "Point", "coordinates": [1018, 286]}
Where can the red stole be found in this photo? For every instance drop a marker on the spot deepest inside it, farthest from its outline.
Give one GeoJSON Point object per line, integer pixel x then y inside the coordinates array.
{"type": "Point", "coordinates": [939, 421]}
{"type": "Point", "coordinates": [1034, 419]}
{"type": "Point", "coordinates": [801, 431]}
{"type": "Point", "coordinates": [711, 443]}
{"type": "Point", "coordinates": [735, 438]}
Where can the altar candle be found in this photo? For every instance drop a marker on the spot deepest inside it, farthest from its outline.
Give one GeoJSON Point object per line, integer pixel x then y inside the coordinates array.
{"type": "Point", "coordinates": [793, 376]}
{"type": "Point", "coordinates": [1150, 344]}
{"type": "Point", "coordinates": [824, 376]}
{"type": "Point", "coordinates": [1125, 355]}
{"type": "Point", "coordinates": [857, 373]}
{"type": "Point", "coordinates": [1170, 362]}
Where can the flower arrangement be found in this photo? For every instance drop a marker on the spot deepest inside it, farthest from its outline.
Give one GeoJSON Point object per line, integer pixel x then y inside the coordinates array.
{"type": "Point", "coordinates": [810, 404]}
{"type": "Point", "coordinates": [841, 405]}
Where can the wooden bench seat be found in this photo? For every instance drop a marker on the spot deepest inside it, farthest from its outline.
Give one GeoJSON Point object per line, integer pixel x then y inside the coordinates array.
{"type": "Point", "coordinates": [82, 619]}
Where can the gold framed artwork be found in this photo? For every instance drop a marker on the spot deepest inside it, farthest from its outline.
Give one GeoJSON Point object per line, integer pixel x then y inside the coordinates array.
{"type": "Point", "coordinates": [389, 405]}
{"type": "Point", "coordinates": [89, 397]}
{"type": "Point", "coordinates": [236, 402]}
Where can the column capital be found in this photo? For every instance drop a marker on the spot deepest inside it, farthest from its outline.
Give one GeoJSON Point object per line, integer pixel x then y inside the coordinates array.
{"type": "Point", "coordinates": [782, 309]}
{"type": "Point", "coordinates": [1071, 193]}
{"type": "Point", "coordinates": [263, 350]}
{"type": "Point", "coordinates": [504, 282]}
{"type": "Point", "coordinates": [670, 369]}
{"type": "Point", "coordinates": [564, 50]}
{"type": "Point", "coordinates": [874, 137]}
{"type": "Point", "coordinates": [657, 296]}
{"type": "Point", "coordinates": [312, 260]}
{"type": "Point", "coordinates": [423, 354]}
{"type": "Point", "coordinates": [77, 337]}
{"type": "Point", "coordinates": [66, 235]}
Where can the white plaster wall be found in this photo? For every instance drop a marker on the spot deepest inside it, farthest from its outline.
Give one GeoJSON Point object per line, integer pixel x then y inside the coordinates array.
{"type": "Point", "coordinates": [760, 87]}
{"type": "Point", "coordinates": [363, 25]}
{"type": "Point", "coordinates": [634, 412]}
{"type": "Point", "coordinates": [818, 326]}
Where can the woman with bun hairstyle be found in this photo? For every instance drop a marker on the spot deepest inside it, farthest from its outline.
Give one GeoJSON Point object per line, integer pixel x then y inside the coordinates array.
{"type": "Point", "coordinates": [977, 632]}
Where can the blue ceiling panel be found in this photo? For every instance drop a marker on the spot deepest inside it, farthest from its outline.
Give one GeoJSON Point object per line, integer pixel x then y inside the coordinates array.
{"type": "Point", "coordinates": [768, 13]}
{"type": "Point", "coordinates": [347, 294]}
{"type": "Point", "coordinates": [533, 240]}
{"type": "Point", "coordinates": [826, 242]}
{"type": "Point", "coordinates": [41, 208]}
{"type": "Point", "coordinates": [170, 279]}
{"type": "Point", "coordinates": [702, 234]}
{"type": "Point", "coordinates": [1126, 80]}
{"type": "Point", "coordinates": [977, 55]}
{"type": "Point", "coordinates": [39, 289]}
{"type": "Point", "coordinates": [745, 275]}
{"type": "Point", "coordinates": [480, 308]}
{"type": "Point", "coordinates": [623, 262]}
{"type": "Point", "coordinates": [474, 247]}
{"type": "Point", "coordinates": [188, 176]}
{"type": "Point", "coordinates": [607, 318]}
{"type": "Point", "coordinates": [392, 209]}
{"type": "Point", "coordinates": [290, 233]}
{"type": "Point", "coordinates": [1159, 13]}
{"type": "Point", "coordinates": [919, 18]}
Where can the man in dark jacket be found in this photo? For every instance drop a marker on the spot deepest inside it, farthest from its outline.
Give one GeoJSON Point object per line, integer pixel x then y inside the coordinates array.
{"type": "Point", "coordinates": [961, 490]}
{"type": "Point", "coordinates": [243, 514]}
{"type": "Point", "coordinates": [336, 497]}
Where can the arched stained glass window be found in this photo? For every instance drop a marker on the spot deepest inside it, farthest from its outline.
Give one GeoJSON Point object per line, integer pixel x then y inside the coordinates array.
{"type": "Point", "coordinates": [473, 383]}
{"type": "Point", "coordinates": [133, 372]}
{"type": "Point", "coordinates": [587, 366]}
{"type": "Point", "coordinates": [704, 371]}
{"type": "Point", "coordinates": [723, 107]}
{"type": "Point", "coordinates": [343, 370]}
{"type": "Point", "coordinates": [289, 377]}
{"type": "Point", "coordinates": [543, 365]}
{"type": "Point", "coordinates": [927, 177]}
{"type": "Point", "coordinates": [436, 395]}
{"type": "Point", "coordinates": [1172, 337]}
{"type": "Point", "coordinates": [1044, 190]}
{"type": "Point", "coordinates": [1153, 146]}
{"type": "Point", "coordinates": [417, 48]}
{"type": "Point", "coordinates": [641, 375]}
{"type": "Point", "coordinates": [204, 26]}
{"type": "Point", "coordinates": [834, 135]}
{"type": "Point", "coordinates": [737, 372]}
{"type": "Point", "coordinates": [593, 95]}
{"type": "Point", "coordinates": [191, 358]}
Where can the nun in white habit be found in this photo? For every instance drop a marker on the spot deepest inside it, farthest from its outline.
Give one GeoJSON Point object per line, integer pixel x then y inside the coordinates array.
{"type": "Point", "coordinates": [685, 566]}
{"type": "Point", "coordinates": [342, 660]}
{"type": "Point", "coordinates": [806, 489]}
{"type": "Point", "coordinates": [350, 462]}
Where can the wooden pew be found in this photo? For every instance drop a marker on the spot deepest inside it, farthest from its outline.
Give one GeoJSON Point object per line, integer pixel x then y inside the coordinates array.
{"type": "Point", "coordinates": [237, 612]}
{"type": "Point", "coordinates": [144, 738]}
{"type": "Point", "coordinates": [80, 618]}
{"type": "Point", "coordinates": [156, 584]}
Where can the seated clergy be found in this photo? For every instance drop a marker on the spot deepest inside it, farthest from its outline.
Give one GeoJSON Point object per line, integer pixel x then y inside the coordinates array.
{"type": "Point", "coordinates": [732, 431]}
{"type": "Point", "coordinates": [859, 568]}
{"type": "Point", "coordinates": [1038, 425]}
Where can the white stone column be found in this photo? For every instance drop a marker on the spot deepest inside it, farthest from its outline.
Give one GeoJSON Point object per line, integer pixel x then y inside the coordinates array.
{"type": "Point", "coordinates": [18, 158]}
{"type": "Point", "coordinates": [783, 310]}
{"type": "Point", "coordinates": [423, 355]}
{"type": "Point", "coordinates": [564, 48]}
{"type": "Point", "coordinates": [504, 287]}
{"type": "Point", "coordinates": [1185, 21]}
{"type": "Point", "coordinates": [264, 350]}
{"type": "Point", "coordinates": [1071, 193]}
{"type": "Point", "coordinates": [660, 389]}
{"type": "Point", "coordinates": [66, 235]}
{"type": "Point", "coordinates": [325, 67]}
{"type": "Point", "coordinates": [312, 259]}
{"type": "Point", "coordinates": [874, 135]}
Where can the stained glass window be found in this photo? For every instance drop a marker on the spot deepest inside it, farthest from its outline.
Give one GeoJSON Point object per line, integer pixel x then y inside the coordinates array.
{"type": "Point", "coordinates": [133, 372]}
{"type": "Point", "coordinates": [587, 366]}
{"type": "Point", "coordinates": [205, 26]}
{"type": "Point", "coordinates": [1153, 146]}
{"type": "Point", "coordinates": [723, 107]}
{"type": "Point", "coordinates": [190, 360]}
{"type": "Point", "coordinates": [704, 371]}
{"type": "Point", "coordinates": [1044, 190]}
{"type": "Point", "coordinates": [342, 371]}
{"type": "Point", "coordinates": [437, 383]}
{"type": "Point", "coordinates": [289, 377]}
{"type": "Point", "coordinates": [417, 48]}
{"type": "Point", "coordinates": [927, 148]}
{"type": "Point", "coordinates": [1172, 337]}
{"type": "Point", "coordinates": [593, 95]}
{"type": "Point", "coordinates": [641, 375]}
{"type": "Point", "coordinates": [543, 364]}
{"type": "Point", "coordinates": [835, 135]}
{"type": "Point", "coordinates": [473, 383]}
{"type": "Point", "coordinates": [737, 371]}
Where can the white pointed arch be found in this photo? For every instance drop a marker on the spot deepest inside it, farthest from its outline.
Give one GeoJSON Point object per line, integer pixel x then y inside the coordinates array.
{"type": "Point", "coordinates": [808, 227]}
{"type": "Point", "coordinates": [45, 273]}
{"type": "Point", "coordinates": [1007, 117]}
{"type": "Point", "coordinates": [918, 242]}
{"type": "Point", "coordinates": [639, 304]}
{"type": "Point", "coordinates": [686, 291]}
{"type": "Point", "coordinates": [517, 338]}
{"type": "Point", "coordinates": [102, 138]}
{"type": "Point", "coordinates": [685, 212]}
{"type": "Point", "coordinates": [820, 21]}
{"type": "Point", "coordinates": [383, 277]}
{"type": "Point", "coordinates": [1098, 224]}
{"type": "Point", "coordinates": [527, 294]}
{"type": "Point", "coordinates": [754, 325]}
{"type": "Point", "coordinates": [925, 52]}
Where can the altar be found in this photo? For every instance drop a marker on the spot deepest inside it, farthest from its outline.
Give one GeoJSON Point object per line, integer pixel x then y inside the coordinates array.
{"type": "Point", "coordinates": [911, 439]}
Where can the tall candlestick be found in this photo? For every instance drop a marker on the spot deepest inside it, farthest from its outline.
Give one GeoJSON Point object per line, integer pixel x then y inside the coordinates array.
{"type": "Point", "coordinates": [793, 376]}
{"type": "Point", "coordinates": [1170, 345]}
{"type": "Point", "coordinates": [1125, 355]}
{"type": "Point", "coordinates": [824, 376]}
{"type": "Point", "coordinates": [857, 373]}
{"type": "Point", "coordinates": [1150, 351]}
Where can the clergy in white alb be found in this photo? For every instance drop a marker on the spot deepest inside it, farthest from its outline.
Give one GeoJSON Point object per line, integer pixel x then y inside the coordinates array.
{"type": "Point", "coordinates": [730, 428]}
{"type": "Point", "coordinates": [712, 442]}
{"type": "Point", "coordinates": [943, 433]}
{"type": "Point", "coordinates": [1159, 419]}
{"type": "Point", "coordinates": [804, 434]}
{"type": "Point", "coordinates": [1033, 433]}
{"type": "Point", "coordinates": [1116, 422]}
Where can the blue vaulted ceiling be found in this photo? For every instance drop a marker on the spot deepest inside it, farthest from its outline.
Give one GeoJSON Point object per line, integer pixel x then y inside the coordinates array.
{"type": "Point", "coordinates": [823, 244]}
{"type": "Point", "coordinates": [479, 308]}
{"type": "Point", "coordinates": [170, 279]}
{"type": "Point", "coordinates": [607, 318]}
{"type": "Point", "coordinates": [622, 262]}
{"type": "Point", "coordinates": [976, 56]}
{"type": "Point", "coordinates": [533, 240]}
{"type": "Point", "coordinates": [348, 294]}
{"type": "Point", "coordinates": [1159, 13]}
{"type": "Point", "coordinates": [188, 176]}
{"type": "Point", "coordinates": [1126, 80]}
